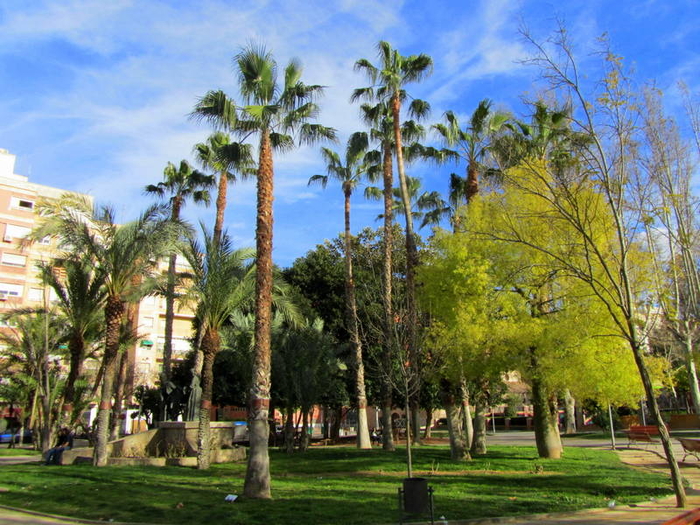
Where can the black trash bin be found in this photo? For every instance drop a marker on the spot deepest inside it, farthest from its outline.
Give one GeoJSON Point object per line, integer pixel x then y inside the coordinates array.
{"type": "Point", "coordinates": [416, 499]}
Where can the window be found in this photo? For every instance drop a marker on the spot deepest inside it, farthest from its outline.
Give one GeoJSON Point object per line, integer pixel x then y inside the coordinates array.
{"type": "Point", "coordinates": [11, 290]}
{"type": "Point", "coordinates": [12, 259]}
{"type": "Point", "coordinates": [12, 232]}
{"type": "Point", "coordinates": [148, 322]}
{"type": "Point", "coordinates": [21, 204]}
{"type": "Point", "coordinates": [35, 294]}
{"type": "Point", "coordinates": [46, 240]}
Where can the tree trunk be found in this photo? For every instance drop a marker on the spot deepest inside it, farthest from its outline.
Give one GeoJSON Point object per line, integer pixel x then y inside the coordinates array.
{"type": "Point", "coordinates": [76, 346]}
{"type": "Point", "coordinates": [289, 430]}
{"type": "Point", "coordinates": [415, 423]}
{"type": "Point", "coordinates": [570, 413]}
{"type": "Point", "coordinates": [692, 371]}
{"type": "Point", "coordinates": [118, 396]}
{"type": "Point", "coordinates": [458, 451]}
{"type": "Point", "coordinates": [467, 425]}
{"type": "Point", "coordinates": [210, 347]}
{"type": "Point", "coordinates": [676, 478]}
{"type": "Point", "coordinates": [478, 447]}
{"type": "Point", "coordinates": [304, 439]}
{"type": "Point", "coordinates": [220, 206]}
{"type": "Point", "coordinates": [428, 422]}
{"type": "Point", "coordinates": [363, 440]}
{"type": "Point", "coordinates": [546, 421]}
{"type": "Point", "coordinates": [257, 479]}
{"type": "Point", "coordinates": [170, 305]}
{"type": "Point", "coordinates": [335, 429]}
{"type": "Point", "coordinates": [472, 181]}
{"type": "Point", "coordinates": [194, 397]}
{"type": "Point", "coordinates": [411, 322]}
{"type": "Point", "coordinates": [387, 284]}
{"type": "Point", "coordinates": [114, 311]}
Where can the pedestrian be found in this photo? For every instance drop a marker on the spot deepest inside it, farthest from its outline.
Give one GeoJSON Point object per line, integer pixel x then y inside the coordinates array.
{"type": "Point", "coordinates": [64, 441]}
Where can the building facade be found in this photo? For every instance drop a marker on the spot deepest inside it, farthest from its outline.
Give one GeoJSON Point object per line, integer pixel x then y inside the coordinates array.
{"type": "Point", "coordinates": [20, 285]}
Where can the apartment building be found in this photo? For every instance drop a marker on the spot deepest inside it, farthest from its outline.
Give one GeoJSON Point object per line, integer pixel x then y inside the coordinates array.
{"type": "Point", "coordinates": [20, 286]}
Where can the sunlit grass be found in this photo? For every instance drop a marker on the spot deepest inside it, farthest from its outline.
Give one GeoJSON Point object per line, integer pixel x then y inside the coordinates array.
{"type": "Point", "coordinates": [339, 485]}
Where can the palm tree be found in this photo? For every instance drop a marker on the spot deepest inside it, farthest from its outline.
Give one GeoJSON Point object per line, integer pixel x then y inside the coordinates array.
{"type": "Point", "coordinates": [349, 176]}
{"type": "Point", "coordinates": [388, 81]}
{"type": "Point", "coordinates": [420, 202]}
{"type": "Point", "coordinates": [124, 254]}
{"type": "Point", "coordinates": [378, 117]}
{"type": "Point", "coordinates": [471, 144]}
{"type": "Point", "coordinates": [222, 283]}
{"type": "Point", "coordinates": [226, 158]}
{"type": "Point", "coordinates": [78, 285]}
{"type": "Point", "coordinates": [178, 184]}
{"type": "Point", "coordinates": [33, 337]}
{"type": "Point", "coordinates": [275, 112]}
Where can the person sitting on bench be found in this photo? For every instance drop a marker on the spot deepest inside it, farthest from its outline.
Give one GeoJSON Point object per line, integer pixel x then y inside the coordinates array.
{"type": "Point", "coordinates": [64, 441]}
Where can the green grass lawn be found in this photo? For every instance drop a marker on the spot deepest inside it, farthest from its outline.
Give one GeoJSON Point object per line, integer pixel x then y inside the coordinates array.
{"type": "Point", "coordinates": [338, 485]}
{"type": "Point", "coordinates": [18, 452]}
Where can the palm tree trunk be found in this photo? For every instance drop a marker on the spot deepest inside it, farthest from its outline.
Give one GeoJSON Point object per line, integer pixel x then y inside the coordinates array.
{"type": "Point", "coordinates": [210, 346]}
{"type": "Point", "coordinates": [387, 282]}
{"type": "Point", "coordinates": [411, 322]}
{"type": "Point", "coordinates": [363, 440]}
{"type": "Point", "coordinates": [76, 347]}
{"type": "Point", "coordinates": [170, 306]}
{"type": "Point", "coordinates": [257, 480]}
{"type": "Point", "coordinates": [169, 318]}
{"type": "Point", "coordinates": [220, 206]}
{"type": "Point", "coordinates": [472, 181]}
{"type": "Point", "coordinates": [118, 396]}
{"type": "Point", "coordinates": [114, 310]}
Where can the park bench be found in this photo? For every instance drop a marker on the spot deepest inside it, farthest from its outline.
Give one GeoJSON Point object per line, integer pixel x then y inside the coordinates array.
{"type": "Point", "coordinates": [642, 434]}
{"type": "Point", "coordinates": [687, 518]}
{"type": "Point", "coordinates": [690, 446]}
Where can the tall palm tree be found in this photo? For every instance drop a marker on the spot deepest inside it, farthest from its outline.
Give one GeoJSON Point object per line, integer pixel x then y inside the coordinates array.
{"type": "Point", "coordinates": [227, 159]}
{"type": "Point", "coordinates": [388, 81]}
{"type": "Point", "coordinates": [178, 185]}
{"type": "Point", "coordinates": [378, 118]}
{"type": "Point", "coordinates": [123, 253]}
{"type": "Point", "coordinates": [471, 144]}
{"type": "Point", "coordinates": [222, 283]}
{"type": "Point", "coordinates": [80, 294]}
{"type": "Point", "coordinates": [349, 175]}
{"type": "Point", "coordinates": [275, 112]}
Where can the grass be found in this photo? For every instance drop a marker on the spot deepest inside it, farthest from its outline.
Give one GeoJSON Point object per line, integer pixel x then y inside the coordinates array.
{"type": "Point", "coordinates": [18, 452]}
{"type": "Point", "coordinates": [338, 485]}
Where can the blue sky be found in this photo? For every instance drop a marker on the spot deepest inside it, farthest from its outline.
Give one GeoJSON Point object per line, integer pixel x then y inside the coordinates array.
{"type": "Point", "coordinates": [95, 94]}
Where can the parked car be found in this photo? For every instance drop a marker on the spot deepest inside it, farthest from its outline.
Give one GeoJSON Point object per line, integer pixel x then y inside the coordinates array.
{"type": "Point", "coordinates": [5, 437]}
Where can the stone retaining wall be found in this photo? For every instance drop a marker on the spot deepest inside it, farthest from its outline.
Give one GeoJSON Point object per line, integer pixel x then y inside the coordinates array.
{"type": "Point", "coordinates": [172, 443]}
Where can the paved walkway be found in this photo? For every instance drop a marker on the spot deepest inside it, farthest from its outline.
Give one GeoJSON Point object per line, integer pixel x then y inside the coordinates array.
{"type": "Point", "coordinates": [651, 512]}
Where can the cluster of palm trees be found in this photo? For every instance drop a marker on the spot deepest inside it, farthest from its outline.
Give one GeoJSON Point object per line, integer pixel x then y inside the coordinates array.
{"type": "Point", "coordinates": [104, 267]}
